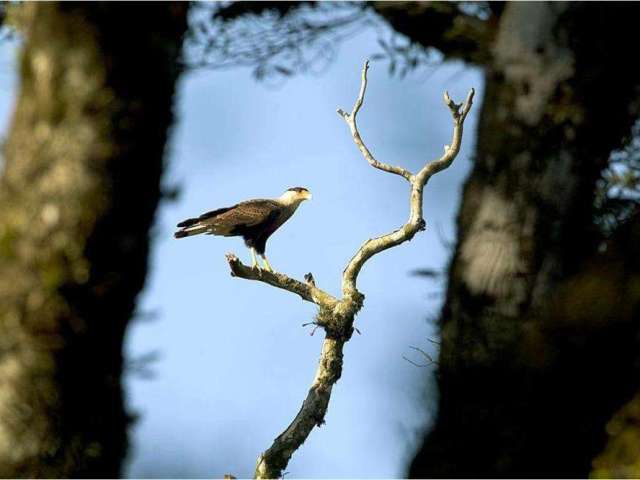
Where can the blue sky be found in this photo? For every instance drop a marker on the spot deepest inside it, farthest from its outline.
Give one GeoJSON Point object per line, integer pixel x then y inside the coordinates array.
{"type": "Point", "coordinates": [234, 362]}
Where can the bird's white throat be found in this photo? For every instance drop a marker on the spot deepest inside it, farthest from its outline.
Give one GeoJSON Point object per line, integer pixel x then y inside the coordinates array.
{"type": "Point", "coordinates": [291, 197]}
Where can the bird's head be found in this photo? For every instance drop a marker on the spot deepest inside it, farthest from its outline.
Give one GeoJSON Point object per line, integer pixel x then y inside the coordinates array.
{"type": "Point", "coordinates": [295, 195]}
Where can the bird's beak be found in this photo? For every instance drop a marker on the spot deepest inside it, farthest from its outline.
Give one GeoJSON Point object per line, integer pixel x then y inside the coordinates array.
{"type": "Point", "coordinates": [308, 195]}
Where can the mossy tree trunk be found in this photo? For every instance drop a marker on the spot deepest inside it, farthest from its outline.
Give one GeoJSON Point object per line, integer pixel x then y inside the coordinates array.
{"type": "Point", "coordinates": [540, 329]}
{"type": "Point", "coordinates": [79, 189]}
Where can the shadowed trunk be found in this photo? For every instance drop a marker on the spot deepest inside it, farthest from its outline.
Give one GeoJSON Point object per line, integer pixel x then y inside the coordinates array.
{"type": "Point", "coordinates": [79, 189]}
{"type": "Point", "coordinates": [539, 330]}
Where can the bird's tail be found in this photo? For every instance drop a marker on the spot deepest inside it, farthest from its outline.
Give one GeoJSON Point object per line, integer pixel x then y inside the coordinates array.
{"type": "Point", "coordinates": [190, 227]}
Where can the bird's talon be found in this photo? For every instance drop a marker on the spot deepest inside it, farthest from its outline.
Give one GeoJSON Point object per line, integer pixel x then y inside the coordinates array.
{"type": "Point", "coordinates": [267, 266]}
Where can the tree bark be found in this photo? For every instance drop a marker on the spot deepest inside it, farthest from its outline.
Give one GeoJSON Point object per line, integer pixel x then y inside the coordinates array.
{"type": "Point", "coordinates": [539, 328]}
{"type": "Point", "coordinates": [80, 186]}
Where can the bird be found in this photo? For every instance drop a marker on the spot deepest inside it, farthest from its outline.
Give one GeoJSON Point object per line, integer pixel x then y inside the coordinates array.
{"type": "Point", "coordinates": [254, 220]}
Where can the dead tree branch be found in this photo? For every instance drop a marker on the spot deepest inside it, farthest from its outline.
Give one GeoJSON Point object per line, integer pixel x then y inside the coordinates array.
{"type": "Point", "coordinates": [308, 291]}
{"type": "Point", "coordinates": [416, 223]}
{"type": "Point", "coordinates": [429, 359]}
{"type": "Point", "coordinates": [350, 118]}
{"type": "Point", "coordinates": [336, 316]}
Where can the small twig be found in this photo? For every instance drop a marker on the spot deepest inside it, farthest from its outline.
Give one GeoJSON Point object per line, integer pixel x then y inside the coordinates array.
{"type": "Point", "coordinates": [142, 366]}
{"type": "Point", "coordinates": [448, 244]}
{"type": "Point", "coordinates": [317, 325]}
{"type": "Point", "coordinates": [429, 273]}
{"type": "Point", "coordinates": [430, 360]}
{"type": "Point", "coordinates": [309, 279]}
{"type": "Point", "coordinates": [414, 363]}
{"type": "Point", "coordinates": [423, 353]}
{"type": "Point", "coordinates": [350, 118]}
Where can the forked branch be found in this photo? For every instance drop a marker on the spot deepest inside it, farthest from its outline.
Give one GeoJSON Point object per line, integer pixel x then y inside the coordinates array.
{"type": "Point", "coordinates": [415, 223]}
{"type": "Point", "coordinates": [351, 118]}
{"type": "Point", "coordinates": [336, 316]}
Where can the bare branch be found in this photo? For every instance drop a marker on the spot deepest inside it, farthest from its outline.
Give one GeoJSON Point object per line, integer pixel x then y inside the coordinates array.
{"type": "Point", "coordinates": [428, 358]}
{"type": "Point", "coordinates": [350, 118]}
{"type": "Point", "coordinates": [416, 223]}
{"type": "Point", "coordinates": [450, 151]}
{"type": "Point", "coordinates": [314, 408]}
{"type": "Point", "coordinates": [415, 364]}
{"type": "Point", "coordinates": [309, 279]}
{"type": "Point", "coordinates": [308, 291]}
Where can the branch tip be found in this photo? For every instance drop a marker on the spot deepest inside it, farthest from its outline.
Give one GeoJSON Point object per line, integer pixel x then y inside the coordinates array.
{"type": "Point", "coordinates": [470, 95]}
{"type": "Point", "coordinates": [459, 116]}
{"type": "Point", "coordinates": [350, 119]}
{"type": "Point", "coordinates": [453, 106]}
{"type": "Point", "coordinates": [447, 99]}
{"type": "Point", "coordinates": [309, 279]}
{"type": "Point", "coordinates": [467, 103]}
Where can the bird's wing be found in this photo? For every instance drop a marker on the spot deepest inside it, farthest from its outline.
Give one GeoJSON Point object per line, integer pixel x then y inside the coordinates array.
{"type": "Point", "coordinates": [245, 214]}
{"type": "Point", "coordinates": [214, 213]}
{"type": "Point", "coordinates": [250, 213]}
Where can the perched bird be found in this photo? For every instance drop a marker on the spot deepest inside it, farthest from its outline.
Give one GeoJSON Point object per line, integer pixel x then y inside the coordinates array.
{"type": "Point", "coordinates": [254, 220]}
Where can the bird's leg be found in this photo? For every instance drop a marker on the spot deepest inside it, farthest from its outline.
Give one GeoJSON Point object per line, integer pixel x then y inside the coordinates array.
{"type": "Point", "coordinates": [266, 263]}
{"type": "Point", "coordinates": [254, 259]}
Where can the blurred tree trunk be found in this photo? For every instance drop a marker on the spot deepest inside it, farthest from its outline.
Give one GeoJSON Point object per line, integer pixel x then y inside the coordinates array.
{"type": "Point", "coordinates": [540, 330]}
{"type": "Point", "coordinates": [79, 189]}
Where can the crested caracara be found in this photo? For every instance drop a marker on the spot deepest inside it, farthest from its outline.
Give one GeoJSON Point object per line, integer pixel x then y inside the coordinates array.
{"type": "Point", "coordinates": [253, 220]}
